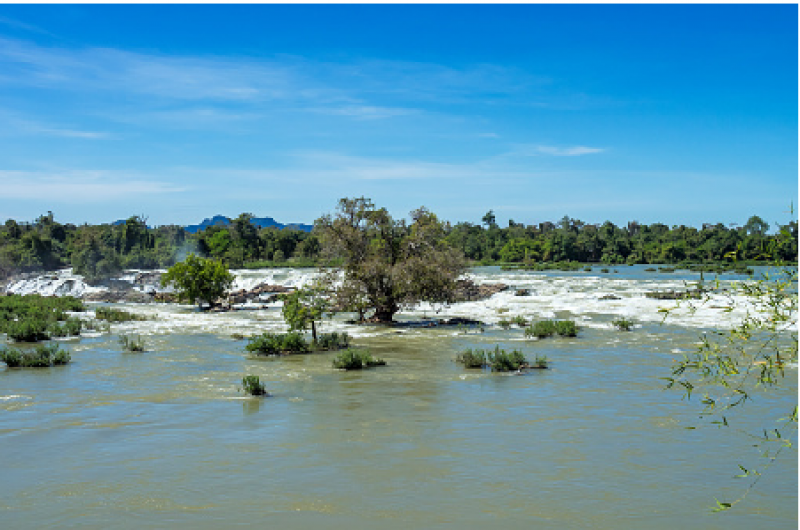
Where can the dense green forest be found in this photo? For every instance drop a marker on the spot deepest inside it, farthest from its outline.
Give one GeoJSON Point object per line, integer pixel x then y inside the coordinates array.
{"type": "Point", "coordinates": [97, 251]}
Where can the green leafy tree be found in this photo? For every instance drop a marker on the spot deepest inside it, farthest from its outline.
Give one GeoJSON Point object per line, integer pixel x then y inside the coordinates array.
{"type": "Point", "coordinates": [304, 308]}
{"type": "Point", "coordinates": [198, 280]}
{"type": "Point", "coordinates": [386, 263]}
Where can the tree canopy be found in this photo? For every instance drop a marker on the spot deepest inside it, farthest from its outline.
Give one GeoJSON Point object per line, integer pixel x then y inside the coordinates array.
{"type": "Point", "coordinates": [198, 280]}
{"type": "Point", "coordinates": [388, 264]}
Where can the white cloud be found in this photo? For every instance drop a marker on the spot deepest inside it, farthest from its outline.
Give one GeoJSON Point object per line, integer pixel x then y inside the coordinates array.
{"type": "Point", "coordinates": [550, 150]}
{"type": "Point", "coordinates": [80, 186]}
{"type": "Point", "coordinates": [365, 112]}
{"type": "Point", "coordinates": [577, 150]}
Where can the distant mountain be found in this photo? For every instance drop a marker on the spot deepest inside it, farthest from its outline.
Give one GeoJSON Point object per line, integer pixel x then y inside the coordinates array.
{"type": "Point", "coordinates": [261, 222]}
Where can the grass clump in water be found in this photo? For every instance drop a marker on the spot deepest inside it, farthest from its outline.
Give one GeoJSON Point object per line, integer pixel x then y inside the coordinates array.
{"type": "Point", "coordinates": [623, 324]}
{"type": "Point", "coordinates": [472, 358]}
{"type": "Point", "coordinates": [277, 344]}
{"type": "Point", "coordinates": [501, 361]}
{"type": "Point", "coordinates": [253, 386]}
{"type": "Point", "coordinates": [498, 360]}
{"type": "Point", "coordinates": [111, 314]}
{"type": "Point", "coordinates": [541, 363]}
{"type": "Point", "coordinates": [548, 328]}
{"type": "Point", "coordinates": [43, 356]}
{"type": "Point", "coordinates": [71, 327]}
{"type": "Point", "coordinates": [520, 321]}
{"type": "Point", "coordinates": [332, 341]}
{"type": "Point", "coordinates": [131, 344]}
{"type": "Point", "coordinates": [351, 359]}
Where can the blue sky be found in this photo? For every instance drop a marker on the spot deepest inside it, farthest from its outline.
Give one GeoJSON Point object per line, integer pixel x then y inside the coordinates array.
{"type": "Point", "coordinates": [681, 114]}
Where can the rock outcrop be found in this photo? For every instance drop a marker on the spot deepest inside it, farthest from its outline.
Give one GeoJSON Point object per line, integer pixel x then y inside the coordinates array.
{"type": "Point", "coordinates": [469, 291]}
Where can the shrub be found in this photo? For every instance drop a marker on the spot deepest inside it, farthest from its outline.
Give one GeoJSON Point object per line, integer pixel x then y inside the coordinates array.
{"type": "Point", "coordinates": [520, 321]}
{"type": "Point", "coordinates": [27, 330]}
{"type": "Point", "coordinates": [505, 324]}
{"type": "Point", "coordinates": [265, 344]}
{"type": "Point", "coordinates": [548, 328]}
{"type": "Point", "coordinates": [131, 344]}
{"type": "Point", "coordinates": [96, 325]}
{"type": "Point", "coordinates": [70, 328]}
{"type": "Point", "coordinates": [293, 342]}
{"type": "Point", "coordinates": [622, 324]}
{"type": "Point", "coordinates": [111, 314]}
{"type": "Point", "coordinates": [541, 329]}
{"type": "Point", "coordinates": [540, 363]}
{"type": "Point", "coordinates": [566, 328]}
{"type": "Point", "coordinates": [277, 343]}
{"type": "Point", "coordinates": [356, 360]}
{"type": "Point", "coordinates": [472, 359]}
{"type": "Point", "coordinates": [253, 386]}
{"type": "Point", "coordinates": [333, 341]}
{"type": "Point", "coordinates": [42, 357]}
{"type": "Point", "coordinates": [500, 361]}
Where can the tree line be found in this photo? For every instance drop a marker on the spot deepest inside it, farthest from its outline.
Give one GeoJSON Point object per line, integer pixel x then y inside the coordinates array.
{"type": "Point", "coordinates": [98, 251]}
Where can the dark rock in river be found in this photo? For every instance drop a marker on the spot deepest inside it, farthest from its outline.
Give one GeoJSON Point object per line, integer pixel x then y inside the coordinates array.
{"type": "Point", "coordinates": [147, 278]}
{"type": "Point", "coordinates": [138, 297]}
{"type": "Point", "coordinates": [694, 294]}
{"type": "Point", "coordinates": [522, 292]}
{"type": "Point", "coordinates": [610, 297]}
{"type": "Point", "coordinates": [110, 296]}
{"type": "Point", "coordinates": [469, 291]}
{"type": "Point", "coordinates": [242, 296]}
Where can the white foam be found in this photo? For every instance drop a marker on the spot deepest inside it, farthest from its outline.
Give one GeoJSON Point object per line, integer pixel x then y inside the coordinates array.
{"type": "Point", "coordinates": [59, 283]}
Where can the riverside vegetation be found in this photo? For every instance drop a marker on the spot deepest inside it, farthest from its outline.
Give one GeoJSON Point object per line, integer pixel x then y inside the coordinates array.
{"type": "Point", "coordinates": [98, 251]}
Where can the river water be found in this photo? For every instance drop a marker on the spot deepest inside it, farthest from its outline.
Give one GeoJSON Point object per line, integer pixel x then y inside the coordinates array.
{"type": "Point", "coordinates": [165, 439]}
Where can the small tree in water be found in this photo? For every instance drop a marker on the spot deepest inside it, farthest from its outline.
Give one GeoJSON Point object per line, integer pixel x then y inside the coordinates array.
{"type": "Point", "coordinates": [388, 264]}
{"type": "Point", "coordinates": [304, 308]}
{"type": "Point", "coordinates": [198, 280]}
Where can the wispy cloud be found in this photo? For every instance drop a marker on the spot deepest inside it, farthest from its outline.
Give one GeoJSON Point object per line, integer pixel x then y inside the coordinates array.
{"type": "Point", "coordinates": [15, 124]}
{"type": "Point", "coordinates": [365, 112]}
{"type": "Point", "coordinates": [80, 186]}
{"type": "Point", "coordinates": [577, 150]}
{"type": "Point", "coordinates": [355, 89]}
{"type": "Point", "coordinates": [551, 150]}
{"type": "Point", "coordinates": [13, 23]}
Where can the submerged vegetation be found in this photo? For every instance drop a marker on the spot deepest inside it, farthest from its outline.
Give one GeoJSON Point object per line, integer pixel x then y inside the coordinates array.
{"type": "Point", "coordinates": [111, 314]}
{"type": "Point", "coordinates": [131, 344]}
{"type": "Point", "coordinates": [294, 343]}
{"type": "Point", "coordinates": [277, 344]}
{"type": "Point", "coordinates": [498, 360]}
{"type": "Point", "coordinates": [253, 386]}
{"type": "Point", "coordinates": [548, 328]}
{"type": "Point", "coordinates": [623, 324]}
{"type": "Point", "coordinates": [44, 355]}
{"type": "Point", "coordinates": [32, 318]}
{"type": "Point", "coordinates": [352, 359]}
